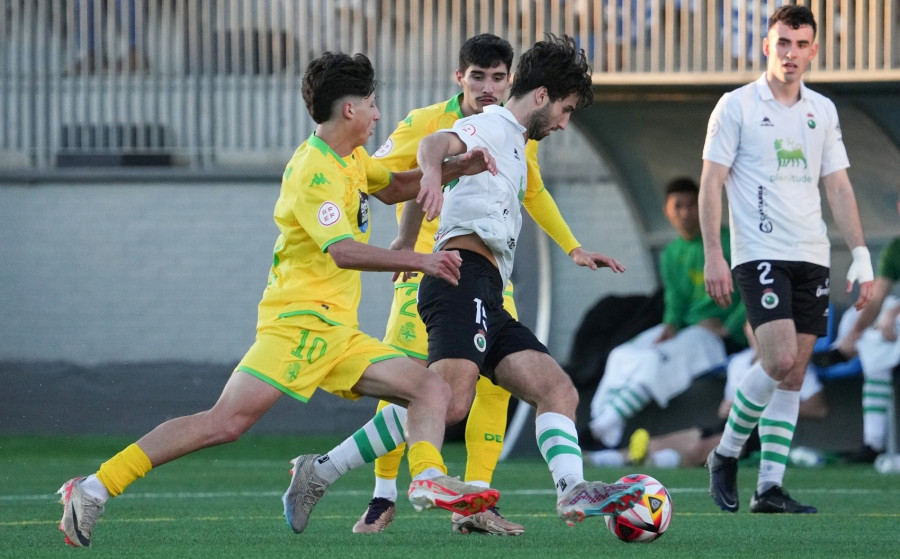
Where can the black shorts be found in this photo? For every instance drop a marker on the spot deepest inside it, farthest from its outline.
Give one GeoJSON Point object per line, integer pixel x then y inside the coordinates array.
{"type": "Point", "coordinates": [468, 321]}
{"type": "Point", "coordinates": [776, 289]}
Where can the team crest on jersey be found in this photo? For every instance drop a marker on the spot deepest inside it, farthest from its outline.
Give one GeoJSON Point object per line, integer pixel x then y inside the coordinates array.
{"type": "Point", "coordinates": [329, 214]}
{"type": "Point", "coordinates": [790, 154]}
{"type": "Point", "coordinates": [480, 341]}
{"type": "Point", "coordinates": [385, 149]}
{"type": "Point", "coordinates": [769, 299]}
{"type": "Point", "coordinates": [408, 332]}
{"type": "Point", "coordinates": [292, 372]}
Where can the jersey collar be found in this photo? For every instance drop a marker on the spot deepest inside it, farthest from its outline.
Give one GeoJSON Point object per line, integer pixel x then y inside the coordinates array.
{"type": "Point", "coordinates": [453, 105]}
{"type": "Point", "coordinates": [765, 93]}
{"type": "Point", "coordinates": [505, 113]}
{"type": "Point", "coordinates": [319, 144]}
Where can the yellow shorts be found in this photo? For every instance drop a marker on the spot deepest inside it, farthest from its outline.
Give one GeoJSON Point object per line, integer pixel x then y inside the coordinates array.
{"type": "Point", "coordinates": [406, 331]}
{"type": "Point", "coordinates": [300, 353]}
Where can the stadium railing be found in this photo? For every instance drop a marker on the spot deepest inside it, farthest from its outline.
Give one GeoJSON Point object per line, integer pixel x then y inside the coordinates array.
{"type": "Point", "coordinates": [205, 83]}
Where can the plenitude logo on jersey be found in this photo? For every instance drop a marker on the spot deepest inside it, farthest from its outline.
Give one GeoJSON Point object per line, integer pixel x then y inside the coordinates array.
{"type": "Point", "coordinates": [468, 129]}
{"type": "Point", "coordinates": [329, 213]}
{"type": "Point", "coordinates": [790, 154]}
{"type": "Point", "coordinates": [792, 165]}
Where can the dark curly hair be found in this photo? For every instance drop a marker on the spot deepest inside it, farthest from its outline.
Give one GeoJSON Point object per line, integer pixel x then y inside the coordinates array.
{"type": "Point", "coordinates": [485, 50]}
{"type": "Point", "coordinates": [333, 76]}
{"type": "Point", "coordinates": [794, 17]}
{"type": "Point", "coordinates": [557, 64]}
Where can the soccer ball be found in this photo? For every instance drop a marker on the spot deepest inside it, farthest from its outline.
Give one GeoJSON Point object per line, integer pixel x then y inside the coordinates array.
{"type": "Point", "coordinates": [650, 516]}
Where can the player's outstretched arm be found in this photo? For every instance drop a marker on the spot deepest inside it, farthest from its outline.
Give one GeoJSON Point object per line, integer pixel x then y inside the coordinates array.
{"type": "Point", "coordinates": [405, 185]}
{"type": "Point", "coordinates": [594, 260]}
{"type": "Point", "coordinates": [353, 255]}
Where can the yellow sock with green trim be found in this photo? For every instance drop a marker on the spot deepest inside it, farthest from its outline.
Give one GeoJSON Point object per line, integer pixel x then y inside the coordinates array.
{"type": "Point", "coordinates": [123, 469]}
{"type": "Point", "coordinates": [485, 429]}
{"type": "Point", "coordinates": [423, 455]}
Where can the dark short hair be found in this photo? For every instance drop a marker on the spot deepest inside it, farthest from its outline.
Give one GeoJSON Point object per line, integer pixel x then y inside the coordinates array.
{"type": "Point", "coordinates": [794, 17]}
{"type": "Point", "coordinates": [682, 184]}
{"type": "Point", "coordinates": [485, 50]}
{"type": "Point", "coordinates": [557, 64]}
{"type": "Point", "coordinates": [333, 76]}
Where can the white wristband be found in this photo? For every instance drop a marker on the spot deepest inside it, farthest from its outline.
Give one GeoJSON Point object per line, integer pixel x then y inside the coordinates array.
{"type": "Point", "coordinates": [861, 268]}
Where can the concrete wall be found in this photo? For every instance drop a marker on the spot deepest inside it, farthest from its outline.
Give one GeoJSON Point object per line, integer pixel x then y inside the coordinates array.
{"type": "Point", "coordinates": [151, 272]}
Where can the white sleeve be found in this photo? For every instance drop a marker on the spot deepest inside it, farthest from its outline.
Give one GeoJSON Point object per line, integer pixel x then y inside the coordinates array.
{"type": "Point", "coordinates": [479, 130]}
{"type": "Point", "coordinates": [834, 154]}
{"type": "Point", "coordinates": [723, 134]}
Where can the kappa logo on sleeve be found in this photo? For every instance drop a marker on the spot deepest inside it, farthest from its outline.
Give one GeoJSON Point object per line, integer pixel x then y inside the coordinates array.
{"type": "Point", "coordinates": [329, 214]}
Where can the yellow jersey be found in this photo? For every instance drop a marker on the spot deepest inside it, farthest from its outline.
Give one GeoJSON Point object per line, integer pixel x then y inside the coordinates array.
{"type": "Point", "coordinates": [323, 199]}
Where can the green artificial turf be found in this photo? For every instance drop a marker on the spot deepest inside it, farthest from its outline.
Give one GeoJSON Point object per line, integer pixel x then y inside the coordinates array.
{"type": "Point", "coordinates": [226, 502]}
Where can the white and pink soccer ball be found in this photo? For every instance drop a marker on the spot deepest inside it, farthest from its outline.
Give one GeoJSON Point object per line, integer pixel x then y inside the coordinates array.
{"type": "Point", "coordinates": [649, 518]}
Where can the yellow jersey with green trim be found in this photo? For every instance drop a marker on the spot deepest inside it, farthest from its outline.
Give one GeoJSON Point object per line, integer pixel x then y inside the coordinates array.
{"type": "Point", "coordinates": [398, 153]}
{"type": "Point", "coordinates": [323, 199]}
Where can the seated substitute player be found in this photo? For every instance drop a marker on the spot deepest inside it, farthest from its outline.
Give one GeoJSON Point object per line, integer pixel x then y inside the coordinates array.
{"type": "Point", "coordinates": [307, 332]}
{"type": "Point", "coordinates": [690, 447]}
{"type": "Point", "coordinates": [552, 79]}
{"type": "Point", "coordinates": [871, 333]}
{"type": "Point", "coordinates": [484, 76]}
{"type": "Point", "coordinates": [694, 337]}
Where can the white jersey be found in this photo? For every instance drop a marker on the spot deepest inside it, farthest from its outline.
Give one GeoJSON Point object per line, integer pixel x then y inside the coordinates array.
{"type": "Point", "coordinates": [484, 204]}
{"type": "Point", "coordinates": [777, 155]}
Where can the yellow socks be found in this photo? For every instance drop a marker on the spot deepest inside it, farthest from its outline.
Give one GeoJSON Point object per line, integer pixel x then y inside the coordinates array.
{"type": "Point", "coordinates": [387, 466]}
{"type": "Point", "coordinates": [485, 429]}
{"type": "Point", "coordinates": [424, 455]}
{"type": "Point", "coordinates": [121, 470]}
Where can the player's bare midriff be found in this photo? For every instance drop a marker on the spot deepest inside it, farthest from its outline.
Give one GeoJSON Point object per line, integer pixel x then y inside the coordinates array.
{"type": "Point", "coordinates": [471, 242]}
